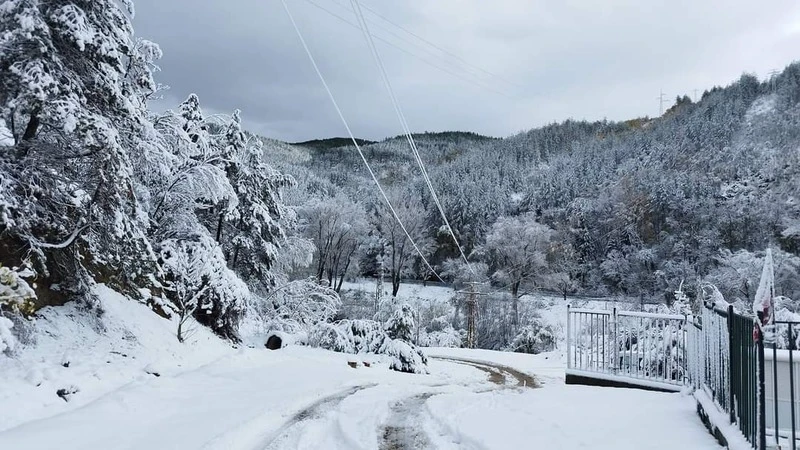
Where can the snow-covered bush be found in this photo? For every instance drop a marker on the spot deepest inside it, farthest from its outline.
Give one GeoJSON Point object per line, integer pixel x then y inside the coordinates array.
{"type": "Point", "coordinates": [784, 313]}
{"type": "Point", "coordinates": [449, 337]}
{"type": "Point", "coordinates": [652, 347]}
{"type": "Point", "coordinates": [15, 293]}
{"type": "Point", "coordinates": [366, 335]}
{"type": "Point", "coordinates": [536, 337]}
{"type": "Point", "coordinates": [440, 333]}
{"type": "Point", "coordinates": [330, 337]}
{"type": "Point", "coordinates": [404, 356]}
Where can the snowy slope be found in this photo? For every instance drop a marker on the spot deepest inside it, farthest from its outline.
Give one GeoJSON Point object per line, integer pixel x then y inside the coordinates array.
{"type": "Point", "coordinates": [95, 350]}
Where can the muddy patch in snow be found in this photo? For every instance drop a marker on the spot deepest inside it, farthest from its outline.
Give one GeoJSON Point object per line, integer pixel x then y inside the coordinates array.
{"type": "Point", "coordinates": [404, 430]}
{"type": "Point", "coordinates": [498, 374]}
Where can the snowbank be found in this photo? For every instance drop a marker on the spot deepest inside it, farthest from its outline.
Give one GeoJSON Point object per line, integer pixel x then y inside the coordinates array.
{"type": "Point", "coordinates": [94, 351]}
{"type": "Point", "coordinates": [571, 417]}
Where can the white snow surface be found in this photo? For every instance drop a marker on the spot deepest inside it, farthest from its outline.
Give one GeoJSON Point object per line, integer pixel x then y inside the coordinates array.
{"type": "Point", "coordinates": [5, 135]}
{"type": "Point", "coordinates": [210, 395]}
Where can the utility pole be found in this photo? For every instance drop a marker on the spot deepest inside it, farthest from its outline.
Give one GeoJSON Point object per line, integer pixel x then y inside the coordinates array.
{"type": "Point", "coordinates": [472, 311]}
{"type": "Point", "coordinates": [661, 103]}
{"type": "Point", "coordinates": [379, 287]}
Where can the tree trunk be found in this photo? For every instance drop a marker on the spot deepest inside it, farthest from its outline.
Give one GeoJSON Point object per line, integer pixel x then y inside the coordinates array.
{"type": "Point", "coordinates": [32, 128]}
{"type": "Point", "coordinates": [320, 267]}
{"type": "Point", "coordinates": [219, 228]}
{"type": "Point", "coordinates": [342, 275]}
{"type": "Point", "coordinates": [181, 319]}
{"type": "Point", "coordinates": [395, 284]}
{"type": "Point", "coordinates": [235, 257]}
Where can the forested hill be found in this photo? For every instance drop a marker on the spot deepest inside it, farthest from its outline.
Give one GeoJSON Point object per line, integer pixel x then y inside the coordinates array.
{"type": "Point", "coordinates": [634, 207]}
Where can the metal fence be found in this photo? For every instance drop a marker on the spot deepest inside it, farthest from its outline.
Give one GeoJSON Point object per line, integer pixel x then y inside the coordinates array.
{"type": "Point", "coordinates": [727, 362]}
{"type": "Point", "coordinates": [643, 348]}
{"type": "Point", "coordinates": [781, 375]}
{"type": "Point", "coordinates": [719, 351]}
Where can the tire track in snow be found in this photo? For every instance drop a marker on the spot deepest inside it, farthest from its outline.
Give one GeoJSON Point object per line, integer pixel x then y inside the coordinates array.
{"type": "Point", "coordinates": [404, 428]}
{"type": "Point", "coordinates": [315, 411]}
{"type": "Point", "coordinates": [498, 374]}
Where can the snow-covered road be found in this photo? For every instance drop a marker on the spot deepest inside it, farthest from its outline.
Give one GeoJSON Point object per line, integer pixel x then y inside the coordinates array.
{"type": "Point", "coordinates": [210, 396]}
{"type": "Point", "coordinates": [302, 398]}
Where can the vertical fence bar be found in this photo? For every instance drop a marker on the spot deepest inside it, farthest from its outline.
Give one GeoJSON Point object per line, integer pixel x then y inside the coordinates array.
{"type": "Point", "coordinates": [731, 374]}
{"type": "Point", "coordinates": [597, 320]}
{"type": "Point", "coordinates": [569, 339]}
{"type": "Point", "coordinates": [578, 339]}
{"type": "Point", "coordinates": [762, 418]}
{"type": "Point", "coordinates": [639, 347]}
{"type": "Point", "coordinates": [590, 326]}
{"type": "Point", "coordinates": [605, 365]}
{"type": "Point", "coordinates": [791, 386]}
{"type": "Point", "coordinates": [775, 387]}
{"type": "Point", "coordinates": [615, 339]}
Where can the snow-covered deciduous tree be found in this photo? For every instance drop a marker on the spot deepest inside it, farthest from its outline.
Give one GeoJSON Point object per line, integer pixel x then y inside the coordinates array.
{"type": "Point", "coordinates": [516, 249]}
{"type": "Point", "coordinates": [198, 283]}
{"type": "Point", "coordinates": [457, 272]}
{"type": "Point", "coordinates": [337, 226]}
{"type": "Point", "coordinates": [564, 268]}
{"type": "Point", "coordinates": [186, 282]}
{"type": "Point", "coordinates": [297, 305]}
{"type": "Point", "coordinates": [398, 251]}
{"type": "Point", "coordinates": [182, 172]}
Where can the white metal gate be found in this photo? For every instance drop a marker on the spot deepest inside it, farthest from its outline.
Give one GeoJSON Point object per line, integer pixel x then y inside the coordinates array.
{"type": "Point", "coordinates": [636, 348]}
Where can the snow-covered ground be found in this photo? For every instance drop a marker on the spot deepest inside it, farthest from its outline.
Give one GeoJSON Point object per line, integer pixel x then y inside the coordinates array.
{"type": "Point", "coordinates": [210, 395]}
{"type": "Point", "coordinates": [5, 134]}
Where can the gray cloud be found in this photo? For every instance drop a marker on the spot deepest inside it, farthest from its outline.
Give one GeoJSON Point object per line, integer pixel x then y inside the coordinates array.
{"type": "Point", "coordinates": [554, 60]}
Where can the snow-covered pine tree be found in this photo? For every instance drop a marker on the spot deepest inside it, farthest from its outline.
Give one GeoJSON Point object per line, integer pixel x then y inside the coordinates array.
{"type": "Point", "coordinates": [254, 230]}
{"type": "Point", "coordinates": [249, 229]}
{"type": "Point", "coordinates": [401, 324]}
{"type": "Point", "coordinates": [74, 117]}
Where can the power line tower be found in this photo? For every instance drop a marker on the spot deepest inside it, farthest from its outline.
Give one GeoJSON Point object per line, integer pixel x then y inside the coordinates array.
{"type": "Point", "coordinates": [773, 75]}
{"type": "Point", "coordinates": [661, 103]}
{"type": "Point", "coordinates": [472, 311]}
{"type": "Point", "coordinates": [695, 95]}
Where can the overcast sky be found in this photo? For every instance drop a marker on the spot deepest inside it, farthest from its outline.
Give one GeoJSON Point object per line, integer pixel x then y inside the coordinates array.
{"type": "Point", "coordinates": [507, 65]}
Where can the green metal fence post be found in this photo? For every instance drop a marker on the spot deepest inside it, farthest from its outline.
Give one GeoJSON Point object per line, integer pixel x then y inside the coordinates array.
{"type": "Point", "coordinates": [732, 365]}
{"type": "Point", "coordinates": [762, 416]}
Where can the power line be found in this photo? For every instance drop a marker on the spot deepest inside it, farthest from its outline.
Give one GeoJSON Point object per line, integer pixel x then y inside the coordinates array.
{"type": "Point", "coordinates": [355, 142]}
{"type": "Point", "coordinates": [406, 129]}
{"type": "Point", "coordinates": [474, 82]}
{"type": "Point", "coordinates": [443, 50]}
